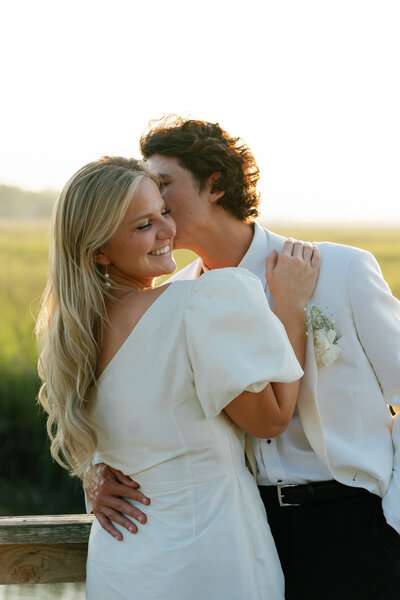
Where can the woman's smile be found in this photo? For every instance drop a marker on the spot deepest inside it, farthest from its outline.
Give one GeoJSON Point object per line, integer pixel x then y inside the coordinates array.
{"type": "Point", "coordinates": [163, 250]}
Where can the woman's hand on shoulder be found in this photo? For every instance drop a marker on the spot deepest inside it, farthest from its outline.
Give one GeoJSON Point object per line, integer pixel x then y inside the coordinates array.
{"type": "Point", "coordinates": [292, 275]}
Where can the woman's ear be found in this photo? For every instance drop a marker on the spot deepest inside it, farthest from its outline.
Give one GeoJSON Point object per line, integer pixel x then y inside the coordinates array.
{"type": "Point", "coordinates": [101, 258]}
{"type": "Point", "coordinates": [215, 195]}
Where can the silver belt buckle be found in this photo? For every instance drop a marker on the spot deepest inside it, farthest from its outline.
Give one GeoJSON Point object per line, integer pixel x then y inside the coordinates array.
{"type": "Point", "coordinates": [280, 497]}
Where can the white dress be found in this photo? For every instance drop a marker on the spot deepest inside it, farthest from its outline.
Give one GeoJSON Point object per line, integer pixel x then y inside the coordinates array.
{"type": "Point", "coordinates": [159, 420]}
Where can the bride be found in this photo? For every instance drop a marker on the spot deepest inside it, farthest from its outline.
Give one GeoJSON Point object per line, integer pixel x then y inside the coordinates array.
{"type": "Point", "coordinates": [162, 382]}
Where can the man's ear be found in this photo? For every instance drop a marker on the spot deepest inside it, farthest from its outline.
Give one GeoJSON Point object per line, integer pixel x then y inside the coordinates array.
{"type": "Point", "coordinates": [215, 196]}
{"type": "Point", "coordinates": [101, 258]}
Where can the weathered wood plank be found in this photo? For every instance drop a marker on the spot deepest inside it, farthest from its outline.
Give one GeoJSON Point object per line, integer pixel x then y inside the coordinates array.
{"type": "Point", "coordinates": [57, 529]}
{"type": "Point", "coordinates": [38, 563]}
{"type": "Point", "coordinates": [44, 549]}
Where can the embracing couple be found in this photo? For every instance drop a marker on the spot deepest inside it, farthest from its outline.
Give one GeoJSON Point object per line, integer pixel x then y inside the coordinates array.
{"type": "Point", "coordinates": [278, 372]}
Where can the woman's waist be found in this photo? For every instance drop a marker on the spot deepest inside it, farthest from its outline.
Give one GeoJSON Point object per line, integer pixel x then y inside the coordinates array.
{"type": "Point", "coordinates": [176, 469]}
{"type": "Point", "coordinates": [181, 511]}
{"type": "Point", "coordinates": [157, 479]}
{"type": "Point", "coordinates": [196, 513]}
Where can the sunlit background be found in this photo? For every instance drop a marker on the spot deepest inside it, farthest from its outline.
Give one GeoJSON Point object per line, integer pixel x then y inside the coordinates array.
{"type": "Point", "coordinates": [312, 86]}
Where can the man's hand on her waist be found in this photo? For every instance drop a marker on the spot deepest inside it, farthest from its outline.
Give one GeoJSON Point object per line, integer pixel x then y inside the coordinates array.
{"type": "Point", "coordinates": [107, 490]}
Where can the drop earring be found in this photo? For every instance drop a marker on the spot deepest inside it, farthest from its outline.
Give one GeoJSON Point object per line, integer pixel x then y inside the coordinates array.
{"type": "Point", "coordinates": [107, 277]}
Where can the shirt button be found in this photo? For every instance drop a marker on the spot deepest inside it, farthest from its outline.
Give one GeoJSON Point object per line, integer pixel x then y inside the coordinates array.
{"type": "Point", "coordinates": [269, 441]}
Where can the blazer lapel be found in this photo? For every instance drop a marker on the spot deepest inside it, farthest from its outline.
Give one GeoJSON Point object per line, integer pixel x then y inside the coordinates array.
{"type": "Point", "coordinates": [307, 404]}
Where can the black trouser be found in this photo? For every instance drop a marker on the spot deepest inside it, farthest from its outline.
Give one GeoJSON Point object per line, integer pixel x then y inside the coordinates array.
{"type": "Point", "coordinates": [336, 549]}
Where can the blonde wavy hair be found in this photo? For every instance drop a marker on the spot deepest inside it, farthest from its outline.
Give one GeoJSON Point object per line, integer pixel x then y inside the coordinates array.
{"type": "Point", "coordinates": [69, 326]}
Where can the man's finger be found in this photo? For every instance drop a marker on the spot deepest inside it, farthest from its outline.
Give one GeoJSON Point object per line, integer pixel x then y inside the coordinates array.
{"type": "Point", "coordinates": [124, 479]}
{"type": "Point", "coordinates": [120, 505]}
{"type": "Point", "coordinates": [120, 519]}
{"type": "Point", "coordinates": [113, 488]}
{"type": "Point", "coordinates": [109, 527]}
{"type": "Point", "coordinates": [119, 510]}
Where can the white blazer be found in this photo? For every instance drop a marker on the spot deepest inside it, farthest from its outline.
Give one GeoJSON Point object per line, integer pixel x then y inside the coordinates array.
{"type": "Point", "coordinates": [343, 407]}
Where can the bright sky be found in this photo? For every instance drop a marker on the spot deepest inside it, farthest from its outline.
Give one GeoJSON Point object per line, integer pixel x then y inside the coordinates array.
{"type": "Point", "coordinates": [312, 86]}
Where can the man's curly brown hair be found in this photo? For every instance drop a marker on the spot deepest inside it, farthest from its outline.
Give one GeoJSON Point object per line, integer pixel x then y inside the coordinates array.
{"type": "Point", "coordinates": [203, 149]}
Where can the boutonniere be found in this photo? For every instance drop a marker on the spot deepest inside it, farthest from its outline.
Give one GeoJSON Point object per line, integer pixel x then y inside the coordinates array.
{"type": "Point", "coordinates": [322, 328]}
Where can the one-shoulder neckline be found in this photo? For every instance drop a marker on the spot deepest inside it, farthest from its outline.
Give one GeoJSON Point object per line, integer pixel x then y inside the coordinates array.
{"type": "Point", "coordinates": [134, 330]}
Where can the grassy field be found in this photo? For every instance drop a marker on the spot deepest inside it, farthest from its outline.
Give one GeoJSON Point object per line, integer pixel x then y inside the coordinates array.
{"type": "Point", "coordinates": [23, 265]}
{"type": "Point", "coordinates": [24, 455]}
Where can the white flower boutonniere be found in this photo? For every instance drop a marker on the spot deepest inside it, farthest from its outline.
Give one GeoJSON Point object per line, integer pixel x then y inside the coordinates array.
{"type": "Point", "coordinates": [322, 328]}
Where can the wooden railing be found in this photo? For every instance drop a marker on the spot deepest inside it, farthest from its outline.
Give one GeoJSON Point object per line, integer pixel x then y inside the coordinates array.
{"type": "Point", "coordinates": [43, 549]}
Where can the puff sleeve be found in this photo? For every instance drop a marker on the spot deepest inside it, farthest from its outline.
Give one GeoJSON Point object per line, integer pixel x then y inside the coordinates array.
{"type": "Point", "coordinates": [235, 342]}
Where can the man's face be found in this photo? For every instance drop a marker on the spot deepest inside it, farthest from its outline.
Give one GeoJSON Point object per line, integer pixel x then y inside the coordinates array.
{"type": "Point", "coordinates": [189, 207]}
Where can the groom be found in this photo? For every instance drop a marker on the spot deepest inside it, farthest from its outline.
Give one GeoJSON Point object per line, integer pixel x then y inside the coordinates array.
{"type": "Point", "coordinates": [331, 482]}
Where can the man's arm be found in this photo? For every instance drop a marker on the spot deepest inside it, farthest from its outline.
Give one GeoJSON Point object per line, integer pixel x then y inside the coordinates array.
{"type": "Point", "coordinates": [377, 318]}
{"type": "Point", "coordinates": [106, 490]}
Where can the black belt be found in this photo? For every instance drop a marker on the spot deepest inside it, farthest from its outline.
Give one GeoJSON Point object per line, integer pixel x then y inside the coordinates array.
{"type": "Point", "coordinates": [320, 491]}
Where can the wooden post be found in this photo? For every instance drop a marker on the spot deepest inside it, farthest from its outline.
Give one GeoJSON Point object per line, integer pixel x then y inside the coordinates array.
{"type": "Point", "coordinates": [44, 549]}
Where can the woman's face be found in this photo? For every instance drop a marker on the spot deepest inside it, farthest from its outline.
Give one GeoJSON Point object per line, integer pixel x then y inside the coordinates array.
{"type": "Point", "coordinates": [141, 248]}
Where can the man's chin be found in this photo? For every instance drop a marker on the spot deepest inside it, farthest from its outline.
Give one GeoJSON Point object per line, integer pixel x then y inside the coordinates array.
{"type": "Point", "coordinates": [183, 242]}
{"type": "Point", "coordinates": [180, 245]}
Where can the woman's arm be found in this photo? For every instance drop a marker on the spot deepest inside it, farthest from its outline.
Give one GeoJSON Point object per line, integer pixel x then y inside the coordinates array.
{"type": "Point", "coordinates": [291, 280]}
